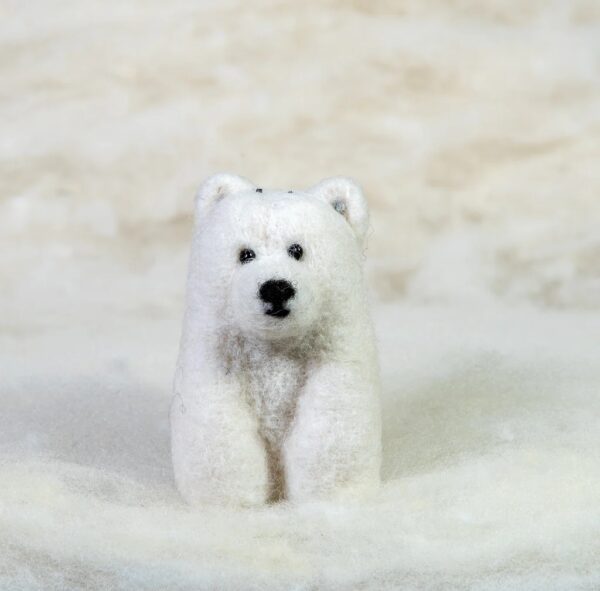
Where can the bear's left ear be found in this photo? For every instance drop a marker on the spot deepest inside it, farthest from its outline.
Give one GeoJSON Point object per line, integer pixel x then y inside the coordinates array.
{"type": "Point", "coordinates": [217, 187]}
{"type": "Point", "coordinates": [346, 197]}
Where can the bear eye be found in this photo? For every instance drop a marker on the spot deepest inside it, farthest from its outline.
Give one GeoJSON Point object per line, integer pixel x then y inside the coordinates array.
{"type": "Point", "coordinates": [295, 251]}
{"type": "Point", "coordinates": [246, 255]}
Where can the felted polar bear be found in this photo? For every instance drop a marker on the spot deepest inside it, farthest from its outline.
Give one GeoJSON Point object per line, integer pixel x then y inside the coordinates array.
{"type": "Point", "coordinates": [277, 384]}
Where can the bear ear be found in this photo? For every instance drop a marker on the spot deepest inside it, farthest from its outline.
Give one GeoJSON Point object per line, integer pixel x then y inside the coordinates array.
{"type": "Point", "coordinates": [216, 188]}
{"type": "Point", "coordinates": [346, 197]}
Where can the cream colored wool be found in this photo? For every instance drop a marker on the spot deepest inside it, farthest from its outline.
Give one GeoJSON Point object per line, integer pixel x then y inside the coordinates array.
{"type": "Point", "coordinates": [264, 407]}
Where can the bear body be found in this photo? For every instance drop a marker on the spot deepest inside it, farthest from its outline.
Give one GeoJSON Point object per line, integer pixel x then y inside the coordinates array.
{"type": "Point", "coordinates": [277, 384]}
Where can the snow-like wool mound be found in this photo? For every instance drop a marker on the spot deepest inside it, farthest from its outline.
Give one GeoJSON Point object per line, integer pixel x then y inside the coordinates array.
{"type": "Point", "coordinates": [473, 128]}
{"type": "Point", "coordinates": [491, 471]}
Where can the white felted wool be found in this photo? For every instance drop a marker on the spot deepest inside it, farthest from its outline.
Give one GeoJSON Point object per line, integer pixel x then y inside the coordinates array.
{"type": "Point", "coordinates": [276, 398]}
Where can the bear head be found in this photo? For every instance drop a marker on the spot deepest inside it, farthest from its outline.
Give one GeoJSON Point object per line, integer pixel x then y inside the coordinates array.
{"type": "Point", "coordinates": [278, 264]}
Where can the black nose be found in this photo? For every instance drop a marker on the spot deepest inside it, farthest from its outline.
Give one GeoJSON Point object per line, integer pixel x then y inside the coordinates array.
{"type": "Point", "coordinates": [276, 292]}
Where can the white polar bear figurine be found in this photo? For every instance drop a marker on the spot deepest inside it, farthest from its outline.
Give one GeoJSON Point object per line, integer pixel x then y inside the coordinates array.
{"type": "Point", "coordinates": [277, 383]}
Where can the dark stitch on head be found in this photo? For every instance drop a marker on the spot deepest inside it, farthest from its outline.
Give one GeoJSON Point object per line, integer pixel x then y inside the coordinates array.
{"type": "Point", "coordinates": [259, 190]}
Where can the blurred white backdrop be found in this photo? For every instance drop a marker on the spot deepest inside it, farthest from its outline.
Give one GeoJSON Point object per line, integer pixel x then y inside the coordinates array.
{"type": "Point", "coordinates": [474, 128]}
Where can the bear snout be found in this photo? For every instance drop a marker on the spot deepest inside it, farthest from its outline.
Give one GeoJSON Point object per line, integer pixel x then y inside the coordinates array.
{"type": "Point", "coordinates": [276, 292]}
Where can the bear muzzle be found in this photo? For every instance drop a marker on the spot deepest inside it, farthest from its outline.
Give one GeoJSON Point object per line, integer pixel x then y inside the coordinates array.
{"type": "Point", "coordinates": [276, 293]}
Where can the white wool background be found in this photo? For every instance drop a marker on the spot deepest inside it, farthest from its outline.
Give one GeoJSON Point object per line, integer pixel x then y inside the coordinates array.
{"type": "Point", "coordinates": [474, 128]}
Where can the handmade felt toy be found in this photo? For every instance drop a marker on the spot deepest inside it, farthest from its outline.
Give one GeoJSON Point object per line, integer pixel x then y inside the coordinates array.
{"type": "Point", "coordinates": [277, 384]}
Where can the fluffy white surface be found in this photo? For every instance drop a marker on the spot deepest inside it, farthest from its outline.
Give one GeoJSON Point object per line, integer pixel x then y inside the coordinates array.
{"type": "Point", "coordinates": [491, 470]}
{"type": "Point", "coordinates": [473, 127]}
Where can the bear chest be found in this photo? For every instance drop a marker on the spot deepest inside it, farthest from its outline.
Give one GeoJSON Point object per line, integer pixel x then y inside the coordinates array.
{"type": "Point", "coordinates": [273, 384]}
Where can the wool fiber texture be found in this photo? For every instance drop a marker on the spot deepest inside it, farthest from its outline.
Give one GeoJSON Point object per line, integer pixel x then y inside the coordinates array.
{"type": "Point", "coordinates": [277, 384]}
{"type": "Point", "coordinates": [473, 128]}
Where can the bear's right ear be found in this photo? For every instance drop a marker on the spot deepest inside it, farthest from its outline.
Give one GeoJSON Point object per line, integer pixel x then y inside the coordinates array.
{"type": "Point", "coordinates": [216, 188]}
{"type": "Point", "coordinates": [347, 198]}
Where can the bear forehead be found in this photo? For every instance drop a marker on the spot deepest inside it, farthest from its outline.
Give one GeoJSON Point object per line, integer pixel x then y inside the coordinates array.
{"type": "Point", "coordinates": [279, 209]}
